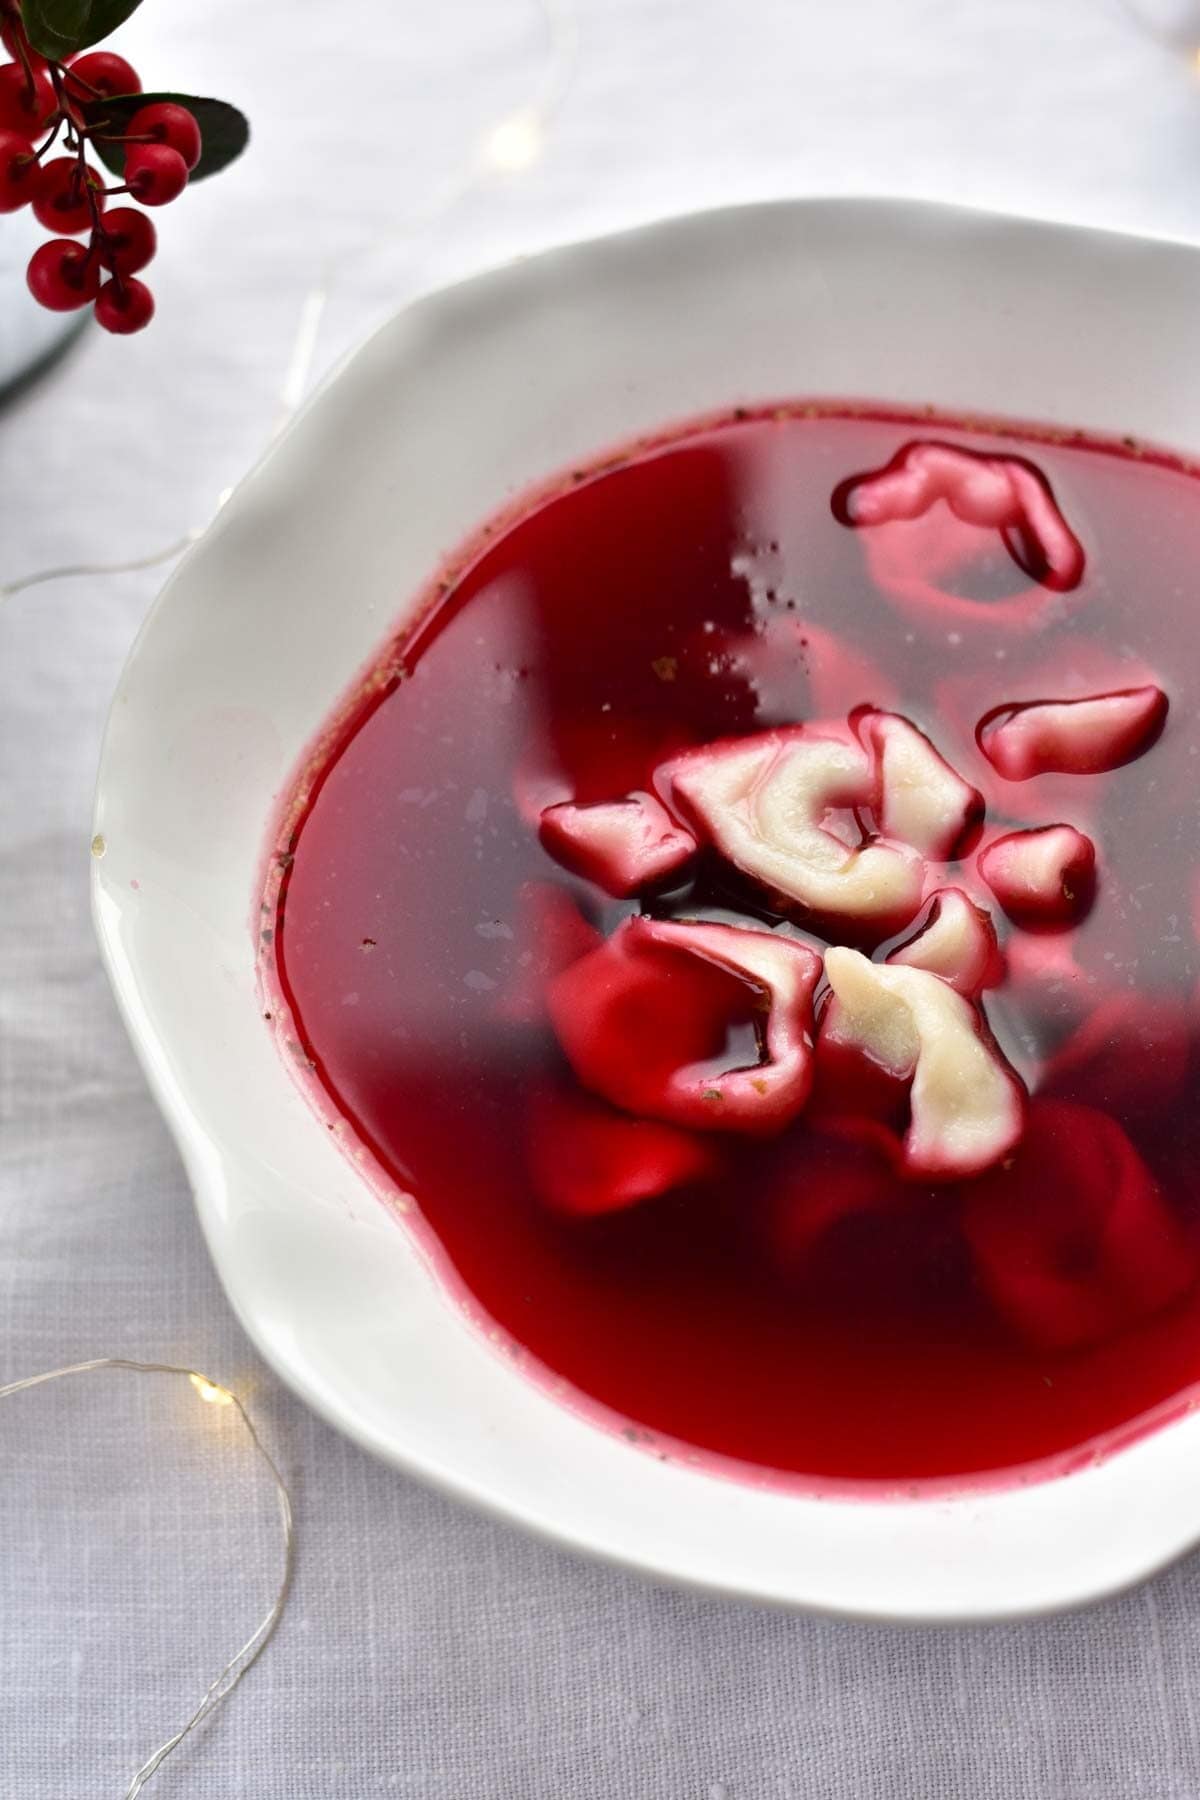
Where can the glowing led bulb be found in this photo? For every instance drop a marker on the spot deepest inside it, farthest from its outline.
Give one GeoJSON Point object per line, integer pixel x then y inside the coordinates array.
{"type": "Point", "coordinates": [210, 1392]}
{"type": "Point", "coordinates": [515, 143]}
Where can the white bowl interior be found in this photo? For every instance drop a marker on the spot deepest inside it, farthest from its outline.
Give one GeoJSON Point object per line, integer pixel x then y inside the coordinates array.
{"type": "Point", "coordinates": [442, 418]}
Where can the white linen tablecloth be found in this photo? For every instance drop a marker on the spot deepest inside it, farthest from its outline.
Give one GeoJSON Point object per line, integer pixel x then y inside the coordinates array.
{"type": "Point", "coordinates": [429, 1652]}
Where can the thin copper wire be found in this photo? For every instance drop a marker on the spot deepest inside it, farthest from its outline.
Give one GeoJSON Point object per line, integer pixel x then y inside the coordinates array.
{"type": "Point", "coordinates": [223, 1685]}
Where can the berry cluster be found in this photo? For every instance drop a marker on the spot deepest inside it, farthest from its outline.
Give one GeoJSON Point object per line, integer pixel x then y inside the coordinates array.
{"type": "Point", "coordinates": [44, 103]}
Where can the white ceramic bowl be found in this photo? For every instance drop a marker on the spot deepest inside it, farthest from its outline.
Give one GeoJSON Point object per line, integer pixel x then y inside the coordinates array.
{"type": "Point", "coordinates": [461, 402]}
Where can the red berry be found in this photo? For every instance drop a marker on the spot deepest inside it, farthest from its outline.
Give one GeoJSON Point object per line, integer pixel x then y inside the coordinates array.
{"type": "Point", "coordinates": [102, 72]}
{"type": "Point", "coordinates": [26, 101]}
{"type": "Point", "coordinates": [19, 171]}
{"type": "Point", "coordinates": [125, 308]}
{"type": "Point", "coordinates": [63, 275]}
{"type": "Point", "coordinates": [61, 201]}
{"type": "Point", "coordinates": [129, 240]}
{"type": "Point", "coordinates": [169, 124]}
{"type": "Point", "coordinates": [154, 173]}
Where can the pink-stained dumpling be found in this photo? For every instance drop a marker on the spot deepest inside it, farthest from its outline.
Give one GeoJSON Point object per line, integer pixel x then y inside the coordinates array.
{"type": "Point", "coordinates": [852, 1084]}
{"type": "Point", "coordinates": [625, 846]}
{"type": "Point", "coordinates": [1068, 665]}
{"type": "Point", "coordinates": [1072, 1239]}
{"type": "Point", "coordinates": [956, 940]}
{"type": "Point", "coordinates": [966, 1105]}
{"type": "Point", "coordinates": [1083, 736]}
{"type": "Point", "coordinates": [1005, 493]}
{"type": "Point", "coordinates": [586, 1160]}
{"type": "Point", "coordinates": [920, 800]}
{"type": "Point", "coordinates": [1043, 879]}
{"type": "Point", "coordinates": [647, 1019]}
{"type": "Point", "coordinates": [764, 802]}
{"type": "Point", "coordinates": [939, 523]}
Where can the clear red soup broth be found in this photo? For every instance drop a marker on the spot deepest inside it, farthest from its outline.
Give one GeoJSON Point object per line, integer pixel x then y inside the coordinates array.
{"type": "Point", "coordinates": [705, 588]}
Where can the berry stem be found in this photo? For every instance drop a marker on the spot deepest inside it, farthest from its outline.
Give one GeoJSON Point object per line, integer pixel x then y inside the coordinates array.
{"type": "Point", "coordinates": [76, 142]}
{"type": "Point", "coordinates": [21, 46]}
{"type": "Point", "coordinates": [93, 93]}
{"type": "Point", "coordinates": [56, 125]}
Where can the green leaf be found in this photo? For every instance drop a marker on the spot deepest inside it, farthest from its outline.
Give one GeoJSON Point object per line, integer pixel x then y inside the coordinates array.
{"type": "Point", "coordinates": [104, 16]}
{"type": "Point", "coordinates": [60, 27]}
{"type": "Point", "coordinates": [224, 130]}
{"type": "Point", "coordinates": [56, 27]}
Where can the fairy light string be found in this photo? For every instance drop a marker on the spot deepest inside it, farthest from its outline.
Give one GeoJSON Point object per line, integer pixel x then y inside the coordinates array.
{"type": "Point", "coordinates": [65, 571]}
{"type": "Point", "coordinates": [210, 1393]}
